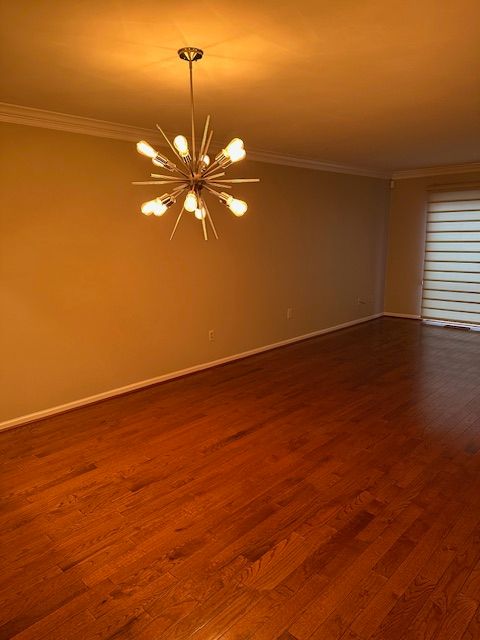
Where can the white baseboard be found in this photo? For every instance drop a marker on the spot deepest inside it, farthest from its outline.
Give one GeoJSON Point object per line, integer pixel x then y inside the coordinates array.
{"type": "Point", "coordinates": [31, 417]}
{"type": "Point", "coordinates": [401, 315]}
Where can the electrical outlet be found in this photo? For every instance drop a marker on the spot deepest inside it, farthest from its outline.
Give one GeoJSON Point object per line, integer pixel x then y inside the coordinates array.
{"type": "Point", "coordinates": [211, 335]}
{"type": "Point", "coordinates": [289, 313]}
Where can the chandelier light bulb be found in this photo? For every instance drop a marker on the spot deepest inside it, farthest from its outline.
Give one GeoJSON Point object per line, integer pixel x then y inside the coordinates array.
{"type": "Point", "coordinates": [191, 202]}
{"type": "Point", "coordinates": [200, 213]}
{"type": "Point", "coordinates": [235, 150]}
{"type": "Point", "coordinates": [146, 150]}
{"type": "Point", "coordinates": [159, 210]}
{"type": "Point", "coordinates": [236, 143]}
{"type": "Point", "coordinates": [205, 161]}
{"type": "Point", "coordinates": [237, 207]}
{"type": "Point", "coordinates": [158, 160]}
{"type": "Point", "coordinates": [181, 145]}
{"type": "Point", "coordinates": [154, 206]}
{"type": "Point", "coordinates": [237, 154]}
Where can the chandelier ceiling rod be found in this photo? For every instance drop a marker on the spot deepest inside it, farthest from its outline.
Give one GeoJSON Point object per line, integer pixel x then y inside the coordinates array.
{"type": "Point", "coordinates": [191, 55]}
{"type": "Point", "coordinates": [192, 103]}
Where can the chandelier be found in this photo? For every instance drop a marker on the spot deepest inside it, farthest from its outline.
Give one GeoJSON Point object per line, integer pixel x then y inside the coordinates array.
{"type": "Point", "coordinates": [196, 174]}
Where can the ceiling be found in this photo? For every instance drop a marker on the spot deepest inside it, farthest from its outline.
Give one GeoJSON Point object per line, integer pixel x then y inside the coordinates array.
{"type": "Point", "coordinates": [382, 85]}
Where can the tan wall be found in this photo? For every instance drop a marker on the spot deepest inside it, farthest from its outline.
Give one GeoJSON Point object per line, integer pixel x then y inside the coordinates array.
{"type": "Point", "coordinates": [96, 297]}
{"type": "Point", "coordinates": [406, 240]}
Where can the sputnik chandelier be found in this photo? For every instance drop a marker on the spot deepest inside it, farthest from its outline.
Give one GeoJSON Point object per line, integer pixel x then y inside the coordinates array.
{"type": "Point", "coordinates": [197, 174]}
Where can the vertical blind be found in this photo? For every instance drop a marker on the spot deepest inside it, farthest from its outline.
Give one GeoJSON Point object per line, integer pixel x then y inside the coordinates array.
{"type": "Point", "coordinates": [451, 280]}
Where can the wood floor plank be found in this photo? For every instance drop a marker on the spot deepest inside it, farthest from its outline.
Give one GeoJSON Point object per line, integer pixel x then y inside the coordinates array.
{"type": "Point", "coordinates": [473, 630]}
{"type": "Point", "coordinates": [457, 619]}
{"type": "Point", "coordinates": [437, 609]}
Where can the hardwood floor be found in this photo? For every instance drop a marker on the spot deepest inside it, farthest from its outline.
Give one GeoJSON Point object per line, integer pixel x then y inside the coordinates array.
{"type": "Point", "coordinates": [328, 490]}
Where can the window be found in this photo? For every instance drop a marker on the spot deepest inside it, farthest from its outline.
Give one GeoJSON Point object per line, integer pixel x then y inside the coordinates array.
{"type": "Point", "coordinates": [451, 281]}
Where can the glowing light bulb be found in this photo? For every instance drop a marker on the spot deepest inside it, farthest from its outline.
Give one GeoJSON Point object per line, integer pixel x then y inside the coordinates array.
{"type": "Point", "coordinates": [145, 149]}
{"type": "Point", "coordinates": [235, 143]}
{"type": "Point", "coordinates": [200, 213]}
{"type": "Point", "coordinates": [159, 209]}
{"type": "Point", "coordinates": [191, 202]}
{"type": "Point", "coordinates": [153, 206]}
{"type": "Point", "coordinates": [206, 160]}
{"type": "Point", "coordinates": [158, 160]}
{"type": "Point", "coordinates": [237, 154]}
{"type": "Point", "coordinates": [181, 145]}
{"type": "Point", "coordinates": [235, 150]}
{"type": "Point", "coordinates": [237, 207]}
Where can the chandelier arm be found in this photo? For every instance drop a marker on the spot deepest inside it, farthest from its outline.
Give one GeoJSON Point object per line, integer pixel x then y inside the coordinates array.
{"type": "Point", "coordinates": [174, 151]}
{"type": "Point", "coordinates": [213, 191]}
{"type": "Point", "coordinates": [210, 220]}
{"type": "Point", "coordinates": [161, 175]}
{"type": "Point", "coordinates": [220, 184]}
{"type": "Point", "coordinates": [182, 179]}
{"type": "Point", "coordinates": [176, 193]}
{"type": "Point", "coordinates": [207, 146]}
{"type": "Point", "coordinates": [176, 223]}
{"type": "Point", "coordinates": [239, 180]}
{"type": "Point", "coordinates": [204, 227]}
{"type": "Point", "coordinates": [202, 146]}
{"type": "Point", "coordinates": [178, 190]}
{"type": "Point", "coordinates": [214, 165]}
{"type": "Point", "coordinates": [158, 182]}
{"type": "Point", "coordinates": [217, 175]}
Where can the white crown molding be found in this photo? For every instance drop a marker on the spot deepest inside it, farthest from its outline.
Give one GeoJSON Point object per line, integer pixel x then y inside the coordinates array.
{"type": "Point", "coordinates": [306, 163]}
{"type": "Point", "coordinates": [17, 114]}
{"type": "Point", "coordinates": [436, 171]}
{"type": "Point", "coordinates": [32, 117]}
